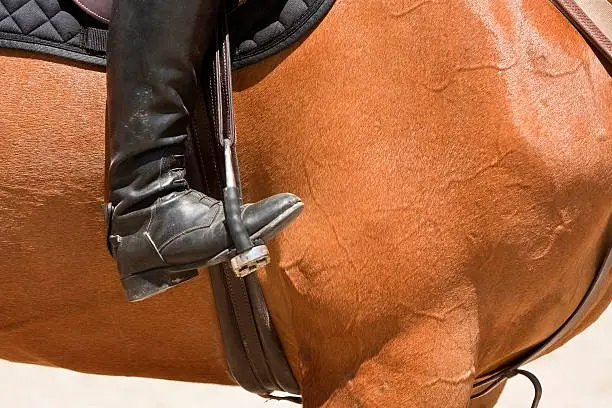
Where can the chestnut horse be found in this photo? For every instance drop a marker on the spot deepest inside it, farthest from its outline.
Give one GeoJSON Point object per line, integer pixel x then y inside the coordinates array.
{"type": "Point", "coordinates": [454, 161]}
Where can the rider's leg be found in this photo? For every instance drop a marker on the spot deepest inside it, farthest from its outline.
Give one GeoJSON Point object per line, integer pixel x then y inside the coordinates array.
{"type": "Point", "coordinates": [159, 227]}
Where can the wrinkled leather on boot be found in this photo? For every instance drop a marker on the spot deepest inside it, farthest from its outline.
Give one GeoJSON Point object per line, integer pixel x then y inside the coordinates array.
{"type": "Point", "coordinates": [187, 229]}
{"type": "Point", "coordinates": [184, 231]}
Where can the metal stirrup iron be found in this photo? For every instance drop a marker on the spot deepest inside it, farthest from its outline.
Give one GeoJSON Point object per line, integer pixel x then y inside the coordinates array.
{"type": "Point", "coordinates": [249, 257]}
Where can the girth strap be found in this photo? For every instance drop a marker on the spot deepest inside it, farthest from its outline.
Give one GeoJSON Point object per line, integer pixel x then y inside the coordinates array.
{"type": "Point", "coordinates": [490, 381]}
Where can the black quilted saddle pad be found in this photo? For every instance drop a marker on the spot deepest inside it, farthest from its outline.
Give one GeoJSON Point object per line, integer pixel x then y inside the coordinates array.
{"type": "Point", "coordinates": [258, 28]}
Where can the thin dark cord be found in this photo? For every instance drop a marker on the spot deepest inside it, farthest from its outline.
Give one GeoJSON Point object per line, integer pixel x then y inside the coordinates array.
{"type": "Point", "coordinates": [536, 385]}
{"type": "Point", "coordinates": [509, 374]}
{"type": "Point", "coordinates": [489, 388]}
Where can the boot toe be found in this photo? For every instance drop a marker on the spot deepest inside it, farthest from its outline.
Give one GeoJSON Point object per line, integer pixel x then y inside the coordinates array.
{"type": "Point", "coordinates": [268, 217]}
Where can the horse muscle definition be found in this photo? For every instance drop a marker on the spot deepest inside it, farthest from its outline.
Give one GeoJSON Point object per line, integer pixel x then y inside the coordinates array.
{"type": "Point", "coordinates": [454, 161]}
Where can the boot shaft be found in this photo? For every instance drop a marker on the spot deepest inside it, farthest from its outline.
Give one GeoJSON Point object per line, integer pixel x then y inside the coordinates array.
{"type": "Point", "coordinates": [155, 53]}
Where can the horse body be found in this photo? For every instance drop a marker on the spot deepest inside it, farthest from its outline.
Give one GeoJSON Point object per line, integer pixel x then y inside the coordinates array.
{"type": "Point", "coordinates": [457, 193]}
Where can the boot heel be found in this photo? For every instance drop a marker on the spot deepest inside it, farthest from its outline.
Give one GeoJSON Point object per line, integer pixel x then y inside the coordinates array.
{"type": "Point", "coordinates": [146, 284]}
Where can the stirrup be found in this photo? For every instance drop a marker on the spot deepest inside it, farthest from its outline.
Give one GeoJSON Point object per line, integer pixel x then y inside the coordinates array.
{"type": "Point", "coordinates": [250, 261]}
{"type": "Point", "coordinates": [250, 257]}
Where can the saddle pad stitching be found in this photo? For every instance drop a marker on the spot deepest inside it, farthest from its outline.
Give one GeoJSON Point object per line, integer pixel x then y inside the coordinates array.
{"type": "Point", "coordinates": [297, 25]}
{"type": "Point", "coordinates": [41, 41]}
{"type": "Point", "coordinates": [90, 11]}
{"type": "Point", "coordinates": [35, 28]}
{"type": "Point", "coordinates": [66, 33]}
{"type": "Point", "coordinates": [49, 20]}
{"type": "Point", "coordinates": [56, 29]}
{"type": "Point", "coordinates": [19, 8]}
{"type": "Point", "coordinates": [45, 47]}
{"type": "Point", "coordinates": [303, 25]}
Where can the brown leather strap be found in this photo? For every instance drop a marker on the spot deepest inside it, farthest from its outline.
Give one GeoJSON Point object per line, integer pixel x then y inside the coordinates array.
{"type": "Point", "coordinates": [490, 381]}
{"type": "Point", "coordinates": [244, 352]}
{"type": "Point", "coordinates": [253, 349]}
{"type": "Point", "coordinates": [593, 31]}
{"type": "Point", "coordinates": [273, 350]}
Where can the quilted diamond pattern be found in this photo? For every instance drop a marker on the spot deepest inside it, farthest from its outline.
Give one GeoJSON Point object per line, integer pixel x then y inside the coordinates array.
{"type": "Point", "coordinates": [59, 27]}
{"type": "Point", "coordinates": [43, 19]}
{"type": "Point", "coordinates": [291, 12]}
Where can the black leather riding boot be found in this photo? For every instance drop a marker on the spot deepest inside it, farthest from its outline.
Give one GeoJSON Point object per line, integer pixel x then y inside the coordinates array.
{"type": "Point", "coordinates": [160, 229]}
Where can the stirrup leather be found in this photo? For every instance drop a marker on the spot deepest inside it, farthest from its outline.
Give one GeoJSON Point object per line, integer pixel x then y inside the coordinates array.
{"type": "Point", "coordinates": [249, 257]}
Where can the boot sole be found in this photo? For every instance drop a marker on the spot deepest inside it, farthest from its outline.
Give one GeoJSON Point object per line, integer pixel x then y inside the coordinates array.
{"type": "Point", "coordinates": [146, 284]}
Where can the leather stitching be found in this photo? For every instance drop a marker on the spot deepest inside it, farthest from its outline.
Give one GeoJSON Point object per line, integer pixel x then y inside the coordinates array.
{"type": "Point", "coordinates": [90, 11]}
{"type": "Point", "coordinates": [49, 19]}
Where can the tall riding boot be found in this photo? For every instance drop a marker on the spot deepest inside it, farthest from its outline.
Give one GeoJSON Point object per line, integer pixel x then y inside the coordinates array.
{"type": "Point", "coordinates": [161, 230]}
